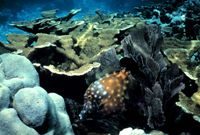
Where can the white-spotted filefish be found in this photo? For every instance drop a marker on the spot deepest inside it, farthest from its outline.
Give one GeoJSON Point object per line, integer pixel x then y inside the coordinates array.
{"type": "Point", "coordinates": [105, 96]}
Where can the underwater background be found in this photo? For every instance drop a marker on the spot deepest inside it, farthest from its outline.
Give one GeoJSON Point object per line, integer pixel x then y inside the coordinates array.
{"type": "Point", "coordinates": [23, 10]}
{"type": "Point", "coordinates": [100, 67]}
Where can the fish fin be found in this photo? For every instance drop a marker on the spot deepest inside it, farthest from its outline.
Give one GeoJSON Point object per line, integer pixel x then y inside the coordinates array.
{"type": "Point", "coordinates": [129, 86]}
{"type": "Point", "coordinates": [126, 94]}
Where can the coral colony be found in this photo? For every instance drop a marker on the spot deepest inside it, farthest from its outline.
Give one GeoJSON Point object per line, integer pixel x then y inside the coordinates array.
{"type": "Point", "coordinates": [117, 73]}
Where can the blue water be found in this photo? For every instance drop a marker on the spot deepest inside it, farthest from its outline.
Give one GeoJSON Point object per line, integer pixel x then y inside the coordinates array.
{"type": "Point", "coordinates": [25, 10]}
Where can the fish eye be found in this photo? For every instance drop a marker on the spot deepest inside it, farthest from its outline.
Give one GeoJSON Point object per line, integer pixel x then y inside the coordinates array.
{"type": "Point", "coordinates": [89, 97]}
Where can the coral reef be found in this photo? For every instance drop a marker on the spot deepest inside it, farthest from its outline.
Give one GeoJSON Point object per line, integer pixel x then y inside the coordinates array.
{"type": "Point", "coordinates": [186, 55]}
{"type": "Point", "coordinates": [49, 14]}
{"type": "Point", "coordinates": [153, 83]}
{"type": "Point", "coordinates": [190, 105]}
{"type": "Point", "coordinates": [143, 48]}
{"type": "Point", "coordinates": [49, 23]}
{"type": "Point", "coordinates": [178, 18]}
{"type": "Point", "coordinates": [180, 24]}
{"type": "Point", "coordinates": [66, 51]}
{"type": "Point", "coordinates": [15, 76]}
{"type": "Point", "coordinates": [66, 47]}
{"type": "Point", "coordinates": [40, 113]}
{"type": "Point", "coordinates": [58, 48]}
{"type": "Point", "coordinates": [11, 124]}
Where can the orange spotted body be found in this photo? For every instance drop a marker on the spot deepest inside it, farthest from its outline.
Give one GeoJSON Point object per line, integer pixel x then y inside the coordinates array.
{"type": "Point", "coordinates": [105, 96]}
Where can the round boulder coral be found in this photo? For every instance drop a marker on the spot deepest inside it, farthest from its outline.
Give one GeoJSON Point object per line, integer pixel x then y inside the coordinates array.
{"type": "Point", "coordinates": [37, 109]}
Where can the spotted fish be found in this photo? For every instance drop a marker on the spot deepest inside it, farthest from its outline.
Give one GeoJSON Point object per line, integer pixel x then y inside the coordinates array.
{"type": "Point", "coordinates": [105, 96]}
